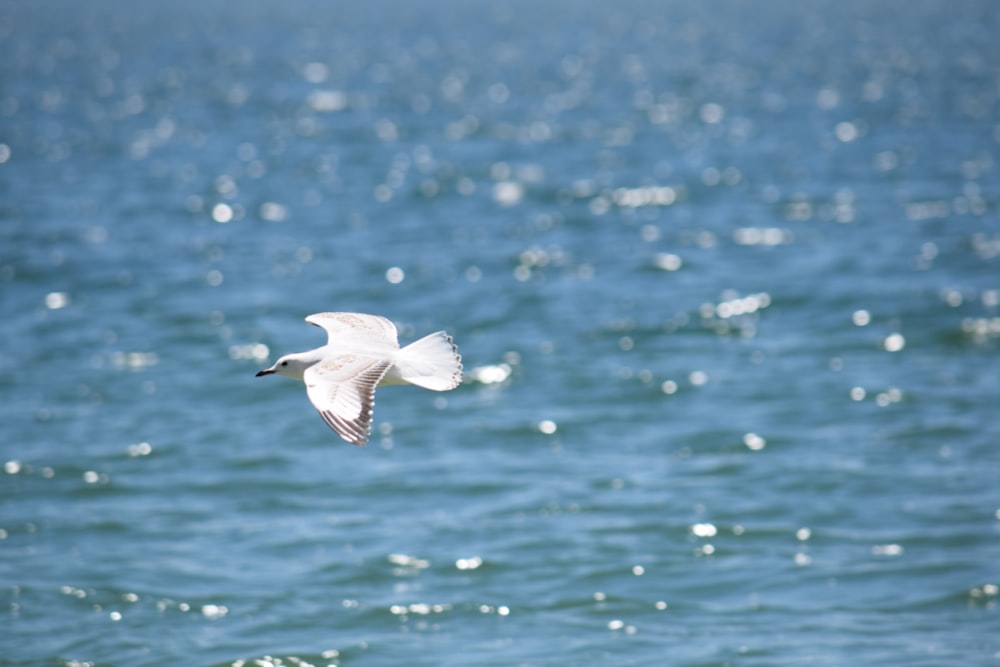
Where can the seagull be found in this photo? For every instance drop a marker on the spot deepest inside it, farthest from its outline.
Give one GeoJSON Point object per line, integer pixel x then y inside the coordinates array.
{"type": "Point", "coordinates": [362, 353]}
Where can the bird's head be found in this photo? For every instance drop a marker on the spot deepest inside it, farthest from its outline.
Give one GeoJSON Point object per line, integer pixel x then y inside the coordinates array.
{"type": "Point", "coordinates": [290, 365]}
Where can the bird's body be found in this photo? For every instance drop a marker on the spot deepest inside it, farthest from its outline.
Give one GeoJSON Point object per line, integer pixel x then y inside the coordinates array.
{"type": "Point", "coordinates": [362, 353]}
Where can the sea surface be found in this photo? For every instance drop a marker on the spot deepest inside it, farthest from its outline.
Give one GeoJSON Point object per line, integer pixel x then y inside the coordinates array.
{"type": "Point", "coordinates": [725, 276]}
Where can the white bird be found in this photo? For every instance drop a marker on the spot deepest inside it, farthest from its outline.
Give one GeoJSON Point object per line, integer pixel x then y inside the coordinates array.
{"type": "Point", "coordinates": [362, 353]}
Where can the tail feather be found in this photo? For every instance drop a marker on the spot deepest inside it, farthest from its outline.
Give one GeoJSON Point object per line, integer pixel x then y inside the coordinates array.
{"type": "Point", "coordinates": [432, 362]}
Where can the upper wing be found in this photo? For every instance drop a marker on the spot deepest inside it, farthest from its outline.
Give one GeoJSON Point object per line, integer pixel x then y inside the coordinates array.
{"type": "Point", "coordinates": [341, 326]}
{"type": "Point", "coordinates": [342, 389]}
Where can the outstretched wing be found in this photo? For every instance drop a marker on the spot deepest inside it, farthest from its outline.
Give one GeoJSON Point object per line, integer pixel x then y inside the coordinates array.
{"type": "Point", "coordinates": [342, 389]}
{"type": "Point", "coordinates": [343, 327]}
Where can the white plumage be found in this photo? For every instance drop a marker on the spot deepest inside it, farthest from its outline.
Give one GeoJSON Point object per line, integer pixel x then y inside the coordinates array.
{"type": "Point", "coordinates": [362, 353]}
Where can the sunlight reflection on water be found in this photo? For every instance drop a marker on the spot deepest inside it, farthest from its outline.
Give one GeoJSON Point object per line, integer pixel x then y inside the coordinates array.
{"type": "Point", "coordinates": [724, 279]}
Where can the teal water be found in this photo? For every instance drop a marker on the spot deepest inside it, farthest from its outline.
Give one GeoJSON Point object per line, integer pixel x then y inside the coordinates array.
{"type": "Point", "coordinates": [725, 277]}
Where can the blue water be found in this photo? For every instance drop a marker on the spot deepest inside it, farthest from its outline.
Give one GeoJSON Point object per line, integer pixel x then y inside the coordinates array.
{"type": "Point", "coordinates": [725, 277]}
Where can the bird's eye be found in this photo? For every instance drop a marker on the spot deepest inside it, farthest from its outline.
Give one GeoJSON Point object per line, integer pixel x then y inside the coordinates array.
{"type": "Point", "coordinates": [284, 363]}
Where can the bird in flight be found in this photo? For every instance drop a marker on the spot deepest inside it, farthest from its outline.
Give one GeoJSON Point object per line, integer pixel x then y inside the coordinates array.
{"type": "Point", "coordinates": [362, 353]}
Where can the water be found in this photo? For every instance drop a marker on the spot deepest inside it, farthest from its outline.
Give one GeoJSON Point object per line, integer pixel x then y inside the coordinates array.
{"type": "Point", "coordinates": [725, 276]}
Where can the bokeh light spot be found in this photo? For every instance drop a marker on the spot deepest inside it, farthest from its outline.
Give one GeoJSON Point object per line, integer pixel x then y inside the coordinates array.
{"type": "Point", "coordinates": [895, 342]}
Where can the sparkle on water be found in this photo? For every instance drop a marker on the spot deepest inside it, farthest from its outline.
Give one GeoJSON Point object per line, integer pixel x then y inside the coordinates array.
{"type": "Point", "coordinates": [724, 278]}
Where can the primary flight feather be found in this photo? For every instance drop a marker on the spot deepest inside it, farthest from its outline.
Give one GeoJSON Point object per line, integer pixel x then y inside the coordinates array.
{"type": "Point", "coordinates": [362, 353]}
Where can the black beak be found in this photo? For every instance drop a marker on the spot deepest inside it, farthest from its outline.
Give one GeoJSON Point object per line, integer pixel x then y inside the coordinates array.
{"type": "Point", "coordinates": [264, 372]}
